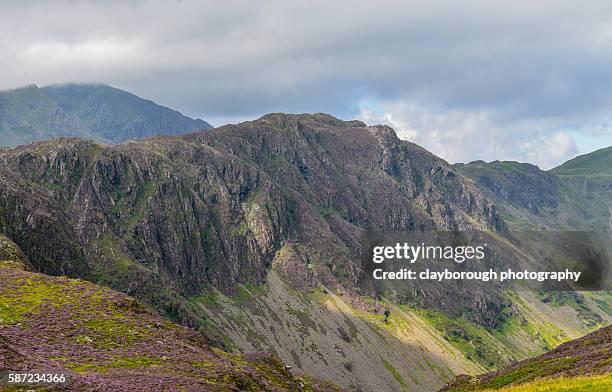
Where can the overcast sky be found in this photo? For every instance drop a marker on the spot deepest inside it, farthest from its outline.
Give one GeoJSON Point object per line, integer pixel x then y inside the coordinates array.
{"type": "Point", "coordinates": [508, 80]}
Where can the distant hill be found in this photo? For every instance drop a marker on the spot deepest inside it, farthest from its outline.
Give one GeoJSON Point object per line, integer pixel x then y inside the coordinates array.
{"type": "Point", "coordinates": [574, 196]}
{"type": "Point", "coordinates": [90, 111]}
{"type": "Point", "coordinates": [586, 359]}
{"type": "Point", "coordinates": [596, 164]}
{"type": "Point", "coordinates": [27, 115]}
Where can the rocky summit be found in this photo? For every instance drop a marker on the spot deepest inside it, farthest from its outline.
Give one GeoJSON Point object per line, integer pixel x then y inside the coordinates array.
{"type": "Point", "coordinates": [213, 208]}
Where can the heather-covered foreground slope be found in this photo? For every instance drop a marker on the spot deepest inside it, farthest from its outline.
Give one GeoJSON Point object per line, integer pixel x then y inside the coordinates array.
{"type": "Point", "coordinates": [107, 341]}
{"type": "Point", "coordinates": [581, 363]}
{"type": "Point", "coordinates": [564, 384]}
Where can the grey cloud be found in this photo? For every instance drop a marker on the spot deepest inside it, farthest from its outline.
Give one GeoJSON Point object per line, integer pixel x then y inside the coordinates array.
{"type": "Point", "coordinates": [548, 64]}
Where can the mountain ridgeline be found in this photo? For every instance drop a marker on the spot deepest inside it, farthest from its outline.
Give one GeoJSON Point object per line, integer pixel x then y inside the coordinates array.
{"type": "Point", "coordinates": [251, 233]}
{"type": "Point", "coordinates": [89, 111]}
{"type": "Point", "coordinates": [213, 208]}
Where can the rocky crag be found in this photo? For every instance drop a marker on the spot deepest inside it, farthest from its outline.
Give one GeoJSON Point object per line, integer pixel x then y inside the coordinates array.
{"type": "Point", "coordinates": [574, 196]}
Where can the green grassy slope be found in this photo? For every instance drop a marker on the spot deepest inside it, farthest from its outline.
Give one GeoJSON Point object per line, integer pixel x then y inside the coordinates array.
{"type": "Point", "coordinates": [595, 164]}
{"type": "Point", "coordinates": [584, 357]}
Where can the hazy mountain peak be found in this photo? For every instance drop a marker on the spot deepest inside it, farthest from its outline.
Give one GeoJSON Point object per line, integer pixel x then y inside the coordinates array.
{"type": "Point", "coordinates": [92, 111]}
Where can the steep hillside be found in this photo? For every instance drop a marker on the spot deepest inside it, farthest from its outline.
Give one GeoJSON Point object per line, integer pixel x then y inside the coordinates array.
{"type": "Point", "coordinates": [97, 112]}
{"type": "Point", "coordinates": [521, 184]}
{"type": "Point", "coordinates": [337, 337]}
{"type": "Point", "coordinates": [106, 341]}
{"type": "Point", "coordinates": [253, 233]}
{"type": "Point", "coordinates": [586, 358]}
{"type": "Point", "coordinates": [346, 338]}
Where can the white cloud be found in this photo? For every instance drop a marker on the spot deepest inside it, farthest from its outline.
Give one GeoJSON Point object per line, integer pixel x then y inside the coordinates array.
{"type": "Point", "coordinates": [463, 136]}
{"type": "Point", "coordinates": [98, 55]}
{"type": "Point", "coordinates": [403, 129]}
{"type": "Point", "coordinates": [549, 151]}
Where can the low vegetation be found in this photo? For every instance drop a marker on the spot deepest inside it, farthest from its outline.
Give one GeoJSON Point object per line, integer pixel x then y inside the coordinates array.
{"type": "Point", "coordinates": [582, 362]}
{"type": "Point", "coordinates": [105, 340]}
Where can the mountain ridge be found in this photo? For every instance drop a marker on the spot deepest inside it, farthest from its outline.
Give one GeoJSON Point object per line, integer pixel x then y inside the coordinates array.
{"type": "Point", "coordinates": [249, 233]}
{"type": "Point", "coordinates": [596, 163]}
